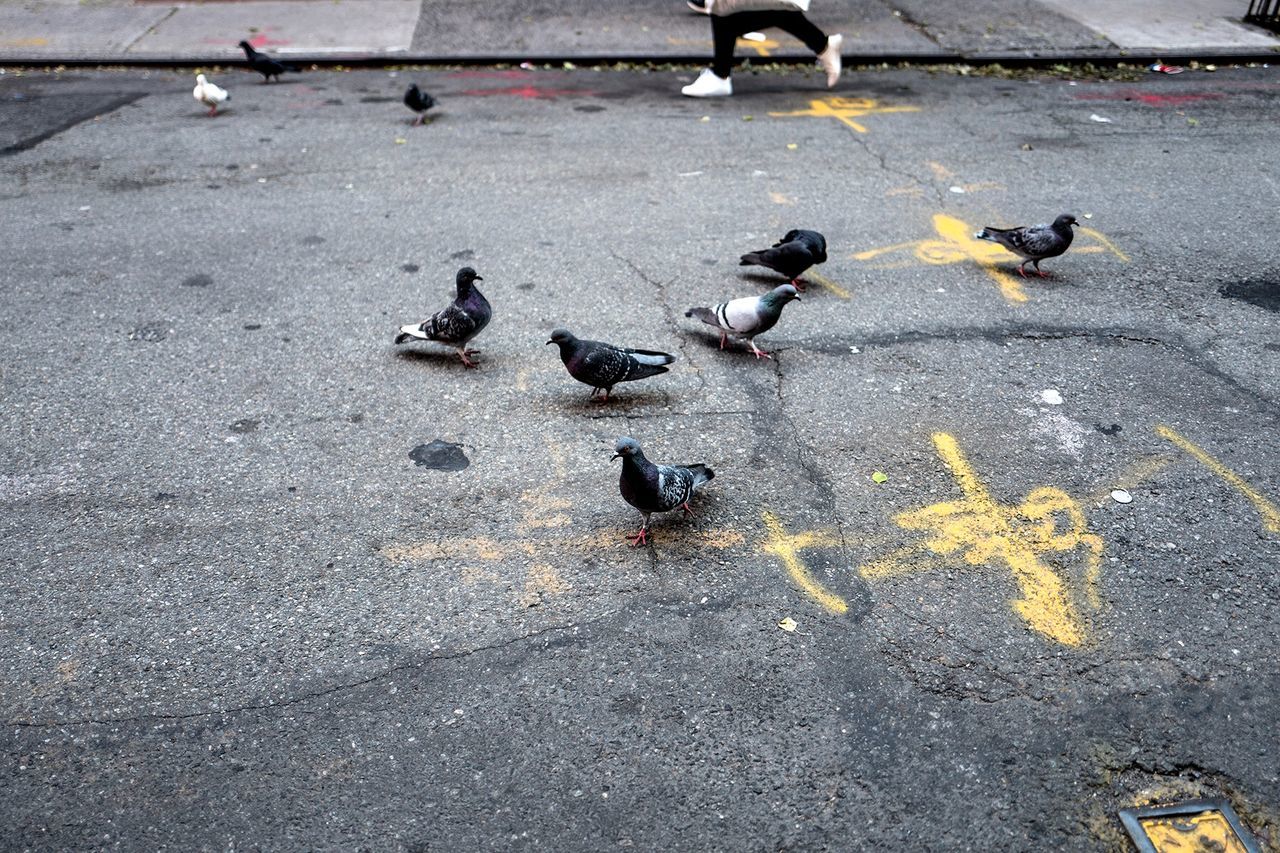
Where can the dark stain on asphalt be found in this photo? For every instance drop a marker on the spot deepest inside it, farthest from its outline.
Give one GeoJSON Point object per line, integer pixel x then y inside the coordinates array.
{"type": "Point", "coordinates": [410, 267]}
{"type": "Point", "coordinates": [313, 240]}
{"type": "Point", "coordinates": [440, 455]}
{"type": "Point", "coordinates": [1261, 292]}
{"type": "Point", "coordinates": [252, 327]}
{"type": "Point", "coordinates": [526, 285]}
{"type": "Point", "coordinates": [356, 417]}
{"type": "Point", "coordinates": [70, 118]}
{"type": "Point", "coordinates": [333, 102]}
{"type": "Point", "coordinates": [1108, 430]}
{"type": "Point", "coordinates": [245, 425]}
{"type": "Point", "coordinates": [589, 108]}
{"type": "Point", "coordinates": [464, 255]}
{"type": "Point", "coordinates": [200, 279]}
{"type": "Point", "coordinates": [377, 99]}
{"type": "Point", "coordinates": [1271, 347]}
{"type": "Point", "coordinates": [150, 332]}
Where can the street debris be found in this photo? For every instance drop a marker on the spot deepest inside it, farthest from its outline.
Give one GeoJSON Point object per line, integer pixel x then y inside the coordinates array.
{"type": "Point", "coordinates": [1050, 396]}
{"type": "Point", "coordinates": [880, 477]}
{"type": "Point", "coordinates": [1120, 496]}
{"type": "Point", "coordinates": [1099, 119]}
{"type": "Point", "coordinates": [1161, 68]}
{"type": "Point", "coordinates": [789, 625]}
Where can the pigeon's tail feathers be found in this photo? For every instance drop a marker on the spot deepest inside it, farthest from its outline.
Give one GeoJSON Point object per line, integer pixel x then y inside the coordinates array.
{"type": "Point", "coordinates": [706, 315]}
{"type": "Point", "coordinates": [701, 474]}
{"type": "Point", "coordinates": [411, 333]}
{"type": "Point", "coordinates": [991, 234]}
{"type": "Point", "coordinates": [751, 259]}
{"type": "Point", "coordinates": [651, 358]}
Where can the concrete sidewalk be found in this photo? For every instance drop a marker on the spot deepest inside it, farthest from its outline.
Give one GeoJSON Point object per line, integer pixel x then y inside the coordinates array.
{"type": "Point", "coordinates": [122, 31]}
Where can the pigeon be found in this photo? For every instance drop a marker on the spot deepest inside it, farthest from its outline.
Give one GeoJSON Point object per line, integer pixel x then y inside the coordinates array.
{"type": "Point", "coordinates": [792, 255]}
{"type": "Point", "coordinates": [748, 316]}
{"type": "Point", "coordinates": [264, 64]}
{"type": "Point", "coordinates": [457, 324]}
{"type": "Point", "coordinates": [1034, 243]}
{"type": "Point", "coordinates": [655, 488]}
{"type": "Point", "coordinates": [209, 94]}
{"type": "Point", "coordinates": [602, 365]}
{"type": "Point", "coordinates": [418, 101]}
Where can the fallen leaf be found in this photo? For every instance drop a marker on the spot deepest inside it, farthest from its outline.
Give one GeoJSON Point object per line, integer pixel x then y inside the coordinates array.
{"type": "Point", "coordinates": [789, 625]}
{"type": "Point", "coordinates": [791, 146]}
{"type": "Point", "coordinates": [401, 140]}
{"type": "Point", "coordinates": [880, 477]}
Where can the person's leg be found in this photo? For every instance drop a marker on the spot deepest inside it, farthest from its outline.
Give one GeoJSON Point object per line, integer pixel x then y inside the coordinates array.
{"type": "Point", "coordinates": [796, 24]}
{"type": "Point", "coordinates": [727, 29]}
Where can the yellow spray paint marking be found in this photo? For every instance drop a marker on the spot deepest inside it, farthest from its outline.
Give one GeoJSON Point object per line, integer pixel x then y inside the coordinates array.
{"type": "Point", "coordinates": [823, 281]}
{"type": "Point", "coordinates": [984, 531]}
{"type": "Point", "coordinates": [762, 47]}
{"type": "Point", "coordinates": [1268, 510]}
{"type": "Point", "coordinates": [779, 198]}
{"type": "Point", "coordinates": [34, 41]}
{"type": "Point", "coordinates": [956, 244]}
{"type": "Point", "coordinates": [785, 548]}
{"type": "Point", "coordinates": [542, 582]}
{"type": "Point", "coordinates": [845, 110]}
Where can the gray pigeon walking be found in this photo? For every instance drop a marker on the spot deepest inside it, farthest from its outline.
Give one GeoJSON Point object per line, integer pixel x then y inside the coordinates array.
{"type": "Point", "coordinates": [602, 365]}
{"type": "Point", "coordinates": [457, 324]}
{"type": "Point", "coordinates": [1034, 243]}
{"type": "Point", "coordinates": [655, 488]}
{"type": "Point", "coordinates": [748, 316]}
{"type": "Point", "coordinates": [792, 255]}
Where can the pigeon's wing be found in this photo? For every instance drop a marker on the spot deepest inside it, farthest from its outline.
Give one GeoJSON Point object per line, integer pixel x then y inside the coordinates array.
{"type": "Point", "coordinates": [450, 326]}
{"type": "Point", "coordinates": [1041, 241]}
{"type": "Point", "coordinates": [642, 363]}
{"type": "Point", "coordinates": [597, 364]}
{"type": "Point", "coordinates": [677, 483]}
{"type": "Point", "coordinates": [739, 315]}
{"type": "Point", "coordinates": [791, 259]}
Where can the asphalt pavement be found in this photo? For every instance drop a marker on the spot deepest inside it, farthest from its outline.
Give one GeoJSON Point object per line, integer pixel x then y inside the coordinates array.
{"type": "Point", "coordinates": [986, 559]}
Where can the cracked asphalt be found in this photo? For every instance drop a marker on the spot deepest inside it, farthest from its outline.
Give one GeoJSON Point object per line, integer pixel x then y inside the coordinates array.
{"type": "Point", "coordinates": [238, 615]}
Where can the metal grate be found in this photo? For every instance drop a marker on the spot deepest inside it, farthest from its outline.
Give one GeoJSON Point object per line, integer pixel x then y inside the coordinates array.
{"type": "Point", "coordinates": [1264, 13]}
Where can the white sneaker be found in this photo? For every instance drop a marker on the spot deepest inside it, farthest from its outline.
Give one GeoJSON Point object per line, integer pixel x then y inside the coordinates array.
{"type": "Point", "coordinates": [829, 59]}
{"type": "Point", "coordinates": [708, 85]}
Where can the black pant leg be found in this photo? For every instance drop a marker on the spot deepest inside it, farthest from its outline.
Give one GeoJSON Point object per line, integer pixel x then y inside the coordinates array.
{"type": "Point", "coordinates": [727, 29]}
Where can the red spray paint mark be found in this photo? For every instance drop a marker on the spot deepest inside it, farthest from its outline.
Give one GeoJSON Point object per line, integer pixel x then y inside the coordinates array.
{"type": "Point", "coordinates": [529, 92]}
{"type": "Point", "coordinates": [502, 75]}
{"type": "Point", "coordinates": [1151, 100]}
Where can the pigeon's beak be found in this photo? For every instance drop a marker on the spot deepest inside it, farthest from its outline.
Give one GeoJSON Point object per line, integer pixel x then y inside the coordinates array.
{"type": "Point", "coordinates": [550, 342]}
{"type": "Point", "coordinates": [796, 298]}
{"type": "Point", "coordinates": [615, 456]}
{"type": "Point", "coordinates": [478, 278]}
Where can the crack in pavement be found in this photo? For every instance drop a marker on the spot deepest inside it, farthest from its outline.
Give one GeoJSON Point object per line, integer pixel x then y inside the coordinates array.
{"type": "Point", "coordinates": [307, 697]}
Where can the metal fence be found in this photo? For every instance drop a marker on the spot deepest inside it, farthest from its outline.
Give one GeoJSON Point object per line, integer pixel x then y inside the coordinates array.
{"type": "Point", "coordinates": [1264, 13]}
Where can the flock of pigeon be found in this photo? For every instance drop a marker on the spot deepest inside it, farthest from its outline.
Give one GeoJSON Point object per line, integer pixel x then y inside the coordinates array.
{"type": "Point", "coordinates": [654, 488]}
{"type": "Point", "coordinates": [648, 487]}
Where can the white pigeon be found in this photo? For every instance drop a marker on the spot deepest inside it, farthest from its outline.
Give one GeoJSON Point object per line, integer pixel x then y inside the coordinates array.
{"type": "Point", "coordinates": [209, 94]}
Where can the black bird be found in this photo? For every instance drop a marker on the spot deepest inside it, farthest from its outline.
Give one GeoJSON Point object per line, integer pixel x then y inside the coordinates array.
{"type": "Point", "coordinates": [792, 255]}
{"type": "Point", "coordinates": [457, 324]}
{"type": "Point", "coordinates": [418, 101]}
{"type": "Point", "coordinates": [602, 365]}
{"type": "Point", "coordinates": [1034, 243]}
{"type": "Point", "coordinates": [264, 64]}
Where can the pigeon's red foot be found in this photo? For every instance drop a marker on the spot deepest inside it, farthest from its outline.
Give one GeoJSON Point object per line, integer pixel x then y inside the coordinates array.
{"type": "Point", "coordinates": [798, 284]}
{"type": "Point", "coordinates": [685, 507]}
{"type": "Point", "coordinates": [759, 352]}
{"type": "Point", "coordinates": [1042, 273]}
{"type": "Point", "coordinates": [1022, 272]}
{"type": "Point", "coordinates": [723, 339]}
{"type": "Point", "coordinates": [641, 538]}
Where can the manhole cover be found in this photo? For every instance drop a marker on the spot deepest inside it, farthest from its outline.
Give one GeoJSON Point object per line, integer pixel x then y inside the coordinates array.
{"type": "Point", "coordinates": [1197, 826]}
